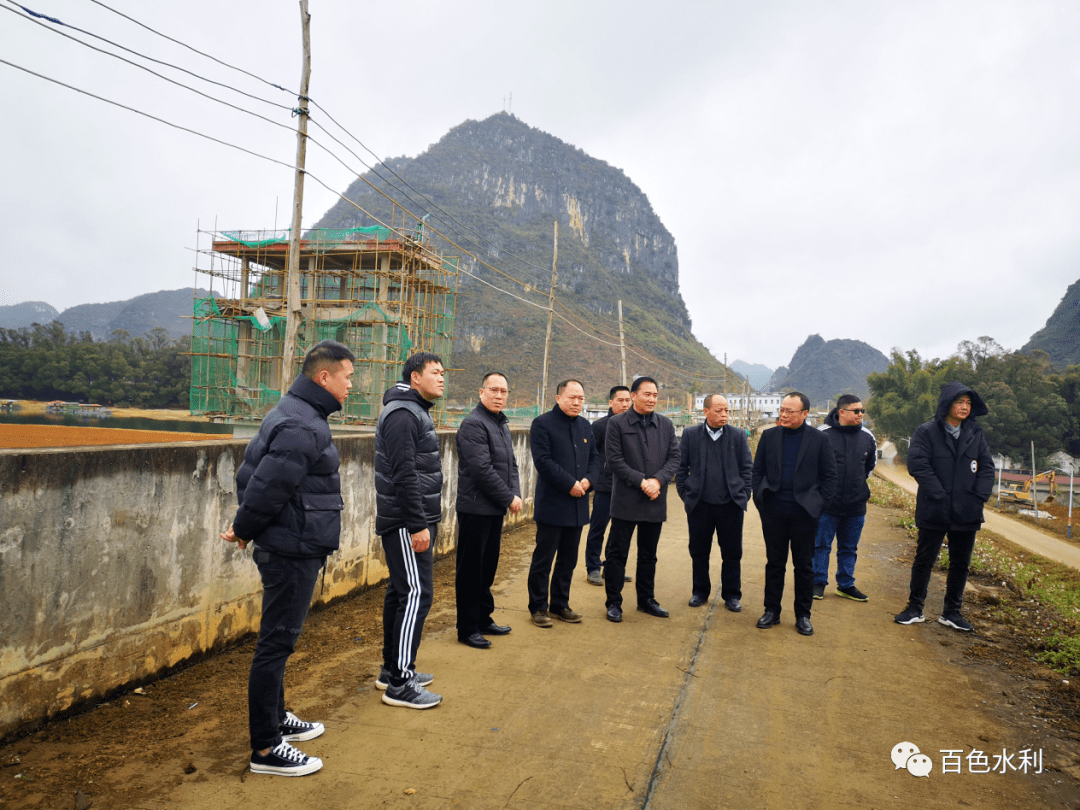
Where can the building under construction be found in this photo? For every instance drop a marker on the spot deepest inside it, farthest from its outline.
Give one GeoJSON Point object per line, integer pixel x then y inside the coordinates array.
{"type": "Point", "coordinates": [383, 292]}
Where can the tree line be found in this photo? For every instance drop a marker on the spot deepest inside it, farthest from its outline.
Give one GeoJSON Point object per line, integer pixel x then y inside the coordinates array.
{"type": "Point", "coordinates": [47, 363]}
{"type": "Point", "coordinates": [1028, 398]}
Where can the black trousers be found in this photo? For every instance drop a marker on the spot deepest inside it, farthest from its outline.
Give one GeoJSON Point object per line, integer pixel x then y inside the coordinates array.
{"type": "Point", "coordinates": [558, 544]}
{"type": "Point", "coordinates": [288, 584]}
{"type": "Point", "coordinates": [787, 525]}
{"type": "Point", "coordinates": [479, 539]}
{"type": "Point", "coordinates": [618, 549]}
{"type": "Point", "coordinates": [598, 523]}
{"type": "Point", "coordinates": [961, 545]}
{"type": "Point", "coordinates": [726, 521]}
{"type": "Point", "coordinates": [407, 602]}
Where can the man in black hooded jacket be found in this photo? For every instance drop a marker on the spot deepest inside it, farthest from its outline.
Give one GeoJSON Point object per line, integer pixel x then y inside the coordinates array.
{"type": "Point", "coordinates": [951, 462]}
{"type": "Point", "coordinates": [289, 495]}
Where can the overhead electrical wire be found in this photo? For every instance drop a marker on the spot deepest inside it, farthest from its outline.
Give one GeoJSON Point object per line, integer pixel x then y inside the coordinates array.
{"type": "Point", "coordinates": [39, 16]}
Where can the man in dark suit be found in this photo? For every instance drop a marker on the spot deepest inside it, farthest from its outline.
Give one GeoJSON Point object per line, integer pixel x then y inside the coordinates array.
{"type": "Point", "coordinates": [642, 455]}
{"type": "Point", "coordinates": [488, 485]}
{"type": "Point", "coordinates": [714, 483]}
{"type": "Point", "coordinates": [618, 402]}
{"type": "Point", "coordinates": [567, 463]}
{"type": "Point", "coordinates": [794, 475]}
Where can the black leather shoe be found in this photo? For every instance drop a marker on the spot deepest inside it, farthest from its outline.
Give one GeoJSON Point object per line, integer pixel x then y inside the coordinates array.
{"type": "Point", "coordinates": [653, 609]}
{"type": "Point", "coordinates": [495, 629]}
{"type": "Point", "coordinates": [767, 620]}
{"type": "Point", "coordinates": [614, 613]}
{"type": "Point", "coordinates": [697, 600]}
{"type": "Point", "coordinates": [734, 605]}
{"type": "Point", "coordinates": [802, 624]}
{"type": "Point", "coordinates": [476, 640]}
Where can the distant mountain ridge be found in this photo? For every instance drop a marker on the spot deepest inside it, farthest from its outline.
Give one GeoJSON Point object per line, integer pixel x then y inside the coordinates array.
{"type": "Point", "coordinates": [169, 309]}
{"type": "Point", "coordinates": [825, 369]}
{"type": "Point", "coordinates": [1060, 337]}
{"type": "Point", "coordinates": [756, 374]}
{"type": "Point", "coordinates": [16, 316]}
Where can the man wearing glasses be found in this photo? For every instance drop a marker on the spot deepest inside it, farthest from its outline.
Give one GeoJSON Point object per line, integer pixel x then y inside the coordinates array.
{"type": "Point", "coordinates": [567, 462]}
{"type": "Point", "coordinates": [855, 451]}
{"type": "Point", "coordinates": [488, 485]}
{"type": "Point", "coordinates": [794, 476]}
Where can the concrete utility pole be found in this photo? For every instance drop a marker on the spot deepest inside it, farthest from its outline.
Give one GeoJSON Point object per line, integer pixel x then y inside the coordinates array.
{"type": "Point", "coordinates": [622, 344]}
{"type": "Point", "coordinates": [551, 312]}
{"type": "Point", "coordinates": [293, 302]}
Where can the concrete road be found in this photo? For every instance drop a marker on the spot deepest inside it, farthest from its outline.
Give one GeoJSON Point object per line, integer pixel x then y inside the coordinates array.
{"type": "Point", "coordinates": [701, 710]}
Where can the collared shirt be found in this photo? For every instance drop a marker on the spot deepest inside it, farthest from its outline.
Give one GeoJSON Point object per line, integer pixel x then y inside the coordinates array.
{"type": "Point", "coordinates": [714, 434]}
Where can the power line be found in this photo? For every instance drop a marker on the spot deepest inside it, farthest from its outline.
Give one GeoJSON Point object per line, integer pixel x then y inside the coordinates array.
{"type": "Point", "coordinates": [35, 14]}
{"type": "Point", "coordinates": [191, 48]}
{"type": "Point", "coordinates": [147, 115]}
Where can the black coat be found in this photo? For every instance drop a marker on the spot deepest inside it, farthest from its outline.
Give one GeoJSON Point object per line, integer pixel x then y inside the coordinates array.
{"type": "Point", "coordinates": [693, 452]}
{"type": "Point", "coordinates": [408, 467]}
{"type": "Point", "coordinates": [815, 469]}
{"type": "Point", "coordinates": [288, 486]}
{"type": "Point", "coordinates": [564, 452]}
{"type": "Point", "coordinates": [855, 451]}
{"type": "Point", "coordinates": [599, 429]}
{"type": "Point", "coordinates": [955, 477]}
{"type": "Point", "coordinates": [632, 457]}
{"type": "Point", "coordinates": [487, 470]}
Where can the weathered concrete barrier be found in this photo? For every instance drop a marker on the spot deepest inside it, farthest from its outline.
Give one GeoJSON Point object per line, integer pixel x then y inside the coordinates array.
{"type": "Point", "coordinates": [111, 568]}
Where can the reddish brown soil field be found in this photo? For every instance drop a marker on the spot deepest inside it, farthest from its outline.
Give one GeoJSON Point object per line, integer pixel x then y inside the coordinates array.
{"type": "Point", "coordinates": [26, 436]}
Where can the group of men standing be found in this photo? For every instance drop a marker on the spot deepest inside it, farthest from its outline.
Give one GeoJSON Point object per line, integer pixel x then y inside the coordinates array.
{"type": "Point", "coordinates": [807, 485]}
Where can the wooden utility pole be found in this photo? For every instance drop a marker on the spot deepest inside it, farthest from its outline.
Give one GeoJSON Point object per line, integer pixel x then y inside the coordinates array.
{"type": "Point", "coordinates": [622, 344]}
{"type": "Point", "coordinates": [551, 311]}
{"type": "Point", "coordinates": [293, 302]}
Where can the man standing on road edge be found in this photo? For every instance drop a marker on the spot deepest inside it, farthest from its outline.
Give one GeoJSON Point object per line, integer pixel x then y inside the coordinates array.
{"type": "Point", "coordinates": [855, 451]}
{"type": "Point", "coordinates": [564, 454]}
{"type": "Point", "coordinates": [488, 485]}
{"type": "Point", "coordinates": [951, 462]}
{"type": "Point", "coordinates": [794, 476]}
{"type": "Point", "coordinates": [714, 480]}
{"type": "Point", "coordinates": [289, 495]}
{"type": "Point", "coordinates": [643, 455]}
{"type": "Point", "coordinates": [618, 402]}
{"type": "Point", "coordinates": [408, 506]}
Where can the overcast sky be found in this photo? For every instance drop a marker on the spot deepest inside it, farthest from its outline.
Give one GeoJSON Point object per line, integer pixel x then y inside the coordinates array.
{"type": "Point", "coordinates": [904, 173]}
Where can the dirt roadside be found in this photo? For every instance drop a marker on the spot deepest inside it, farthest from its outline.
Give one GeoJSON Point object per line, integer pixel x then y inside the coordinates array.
{"type": "Point", "coordinates": [701, 710]}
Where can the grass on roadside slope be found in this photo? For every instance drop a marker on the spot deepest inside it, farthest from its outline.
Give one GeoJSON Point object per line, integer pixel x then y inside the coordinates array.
{"type": "Point", "coordinates": [1046, 607]}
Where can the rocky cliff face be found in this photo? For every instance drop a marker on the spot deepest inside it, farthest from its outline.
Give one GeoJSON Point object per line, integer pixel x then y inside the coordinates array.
{"type": "Point", "coordinates": [1060, 338]}
{"type": "Point", "coordinates": [496, 187]}
{"type": "Point", "coordinates": [825, 369]}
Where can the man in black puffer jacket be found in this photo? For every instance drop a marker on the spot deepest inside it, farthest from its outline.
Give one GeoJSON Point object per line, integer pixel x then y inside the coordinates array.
{"type": "Point", "coordinates": [408, 505]}
{"type": "Point", "coordinates": [290, 507]}
{"type": "Point", "coordinates": [488, 485]}
{"type": "Point", "coordinates": [951, 462]}
{"type": "Point", "coordinates": [855, 450]}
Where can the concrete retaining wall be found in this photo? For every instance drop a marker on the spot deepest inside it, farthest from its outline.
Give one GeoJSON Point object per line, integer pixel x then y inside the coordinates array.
{"type": "Point", "coordinates": [111, 568]}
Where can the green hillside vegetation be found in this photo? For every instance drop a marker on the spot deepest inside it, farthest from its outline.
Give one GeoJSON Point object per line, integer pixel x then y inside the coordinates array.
{"type": "Point", "coordinates": [1060, 337]}
{"type": "Point", "coordinates": [1028, 399]}
{"type": "Point", "coordinates": [49, 363]}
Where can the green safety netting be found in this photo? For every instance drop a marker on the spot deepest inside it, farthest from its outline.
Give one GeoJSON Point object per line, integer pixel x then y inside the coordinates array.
{"type": "Point", "coordinates": [224, 382]}
{"type": "Point", "coordinates": [319, 237]}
